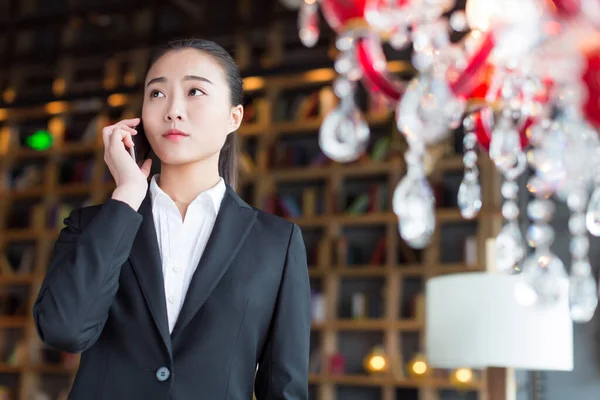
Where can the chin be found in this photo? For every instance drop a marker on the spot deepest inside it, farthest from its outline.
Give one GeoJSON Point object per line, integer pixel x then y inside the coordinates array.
{"type": "Point", "coordinates": [182, 158]}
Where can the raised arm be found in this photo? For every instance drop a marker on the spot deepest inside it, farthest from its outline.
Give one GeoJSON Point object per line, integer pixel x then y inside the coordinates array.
{"type": "Point", "coordinates": [83, 276]}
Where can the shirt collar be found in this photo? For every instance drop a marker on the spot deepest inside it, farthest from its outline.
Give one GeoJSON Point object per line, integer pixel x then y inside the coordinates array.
{"type": "Point", "coordinates": [215, 193]}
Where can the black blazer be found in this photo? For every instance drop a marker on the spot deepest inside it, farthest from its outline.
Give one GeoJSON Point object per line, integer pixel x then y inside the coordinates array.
{"type": "Point", "coordinates": [248, 303]}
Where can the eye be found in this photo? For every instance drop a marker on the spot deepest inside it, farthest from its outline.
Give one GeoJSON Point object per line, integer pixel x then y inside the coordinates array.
{"type": "Point", "coordinates": [196, 92]}
{"type": "Point", "coordinates": [156, 93]}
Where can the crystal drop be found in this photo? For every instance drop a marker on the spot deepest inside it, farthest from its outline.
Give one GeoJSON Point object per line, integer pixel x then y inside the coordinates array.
{"type": "Point", "coordinates": [470, 140]}
{"type": "Point", "coordinates": [469, 198]}
{"type": "Point", "coordinates": [510, 190]}
{"type": "Point", "coordinates": [592, 217]}
{"type": "Point", "coordinates": [504, 145]}
{"type": "Point", "coordinates": [470, 159]}
{"type": "Point", "coordinates": [399, 39]}
{"type": "Point", "coordinates": [576, 200]}
{"type": "Point", "coordinates": [308, 24]}
{"type": "Point", "coordinates": [427, 109]}
{"type": "Point", "coordinates": [344, 63]}
{"type": "Point", "coordinates": [579, 247]}
{"type": "Point", "coordinates": [540, 210]}
{"type": "Point", "coordinates": [458, 21]}
{"type": "Point", "coordinates": [540, 187]}
{"type": "Point", "coordinates": [510, 210]}
{"type": "Point", "coordinates": [414, 205]}
{"type": "Point", "coordinates": [344, 134]}
{"type": "Point", "coordinates": [544, 275]}
{"type": "Point", "coordinates": [510, 248]}
{"type": "Point", "coordinates": [540, 234]}
{"type": "Point", "coordinates": [342, 87]}
{"type": "Point", "coordinates": [577, 224]}
{"type": "Point", "coordinates": [583, 297]}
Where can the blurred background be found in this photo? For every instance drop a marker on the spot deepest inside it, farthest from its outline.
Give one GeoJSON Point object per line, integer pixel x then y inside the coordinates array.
{"type": "Point", "coordinates": [70, 67]}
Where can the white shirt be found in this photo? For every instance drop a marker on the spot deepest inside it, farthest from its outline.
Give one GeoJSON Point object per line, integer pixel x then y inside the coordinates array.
{"type": "Point", "coordinates": [181, 243]}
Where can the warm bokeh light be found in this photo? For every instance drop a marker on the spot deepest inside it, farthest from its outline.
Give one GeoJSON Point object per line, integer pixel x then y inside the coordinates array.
{"type": "Point", "coordinates": [56, 107]}
{"type": "Point", "coordinates": [463, 375]}
{"type": "Point", "coordinates": [9, 95]}
{"type": "Point", "coordinates": [418, 366]}
{"type": "Point", "coordinates": [117, 100]}
{"type": "Point", "coordinates": [376, 361]}
{"type": "Point", "coordinates": [59, 86]}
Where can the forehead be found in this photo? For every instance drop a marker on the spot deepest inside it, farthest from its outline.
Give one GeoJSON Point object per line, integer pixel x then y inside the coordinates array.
{"type": "Point", "coordinates": [176, 64]}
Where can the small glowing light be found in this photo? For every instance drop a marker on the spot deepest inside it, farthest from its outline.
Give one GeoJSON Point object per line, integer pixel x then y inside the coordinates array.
{"type": "Point", "coordinates": [40, 140]}
{"type": "Point", "coordinates": [253, 83]}
{"type": "Point", "coordinates": [59, 86]}
{"type": "Point", "coordinates": [9, 95]}
{"type": "Point", "coordinates": [130, 78]}
{"type": "Point", "coordinates": [463, 375]}
{"type": "Point", "coordinates": [419, 367]}
{"type": "Point", "coordinates": [56, 107]}
{"type": "Point", "coordinates": [116, 100]}
{"type": "Point", "coordinates": [377, 363]}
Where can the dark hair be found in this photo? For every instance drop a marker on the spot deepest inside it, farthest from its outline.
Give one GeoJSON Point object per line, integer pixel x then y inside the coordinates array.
{"type": "Point", "coordinates": [228, 157]}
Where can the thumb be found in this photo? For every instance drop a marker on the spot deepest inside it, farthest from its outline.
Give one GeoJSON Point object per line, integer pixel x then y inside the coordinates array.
{"type": "Point", "coordinates": [145, 168]}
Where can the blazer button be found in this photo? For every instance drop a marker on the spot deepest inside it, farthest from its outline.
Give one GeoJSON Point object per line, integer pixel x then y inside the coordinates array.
{"type": "Point", "coordinates": [163, 374]}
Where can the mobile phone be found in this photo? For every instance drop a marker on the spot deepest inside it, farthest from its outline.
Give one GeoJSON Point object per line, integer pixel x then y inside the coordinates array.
{"type": "Point", "coordinates": [141, 147]}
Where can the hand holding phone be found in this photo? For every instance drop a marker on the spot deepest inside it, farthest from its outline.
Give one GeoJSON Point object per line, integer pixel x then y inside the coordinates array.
{"type": "Point", "coordinates": [131, 179]}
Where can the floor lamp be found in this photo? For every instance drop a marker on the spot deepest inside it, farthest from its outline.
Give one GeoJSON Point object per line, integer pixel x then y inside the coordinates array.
{"type": "Point", "coordinates": [474, 321]}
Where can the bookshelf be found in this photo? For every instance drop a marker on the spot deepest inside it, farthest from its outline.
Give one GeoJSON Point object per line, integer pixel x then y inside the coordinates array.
{"type": "Point", "coordinates": [354, 250]}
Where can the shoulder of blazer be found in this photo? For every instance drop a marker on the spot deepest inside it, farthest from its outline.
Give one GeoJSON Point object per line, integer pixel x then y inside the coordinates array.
{"type": "Point", "coordinates": [270, 221]}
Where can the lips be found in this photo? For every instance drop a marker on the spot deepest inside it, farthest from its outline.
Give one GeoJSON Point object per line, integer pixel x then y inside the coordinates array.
{"type": "Point", "coordinates": [174, 133]}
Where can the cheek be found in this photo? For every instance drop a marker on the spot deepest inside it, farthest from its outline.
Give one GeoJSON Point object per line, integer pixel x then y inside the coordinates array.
{"type": "Point", "coordinates": [212, 120]}
{"type": "Point", "coordinates": [151, 118]}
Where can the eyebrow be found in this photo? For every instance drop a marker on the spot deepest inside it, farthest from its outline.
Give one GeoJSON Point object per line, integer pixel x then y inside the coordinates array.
{"type": "Point", "coordinates": [186, 78]}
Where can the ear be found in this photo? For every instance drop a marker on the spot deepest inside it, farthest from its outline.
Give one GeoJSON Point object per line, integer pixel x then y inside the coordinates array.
{"type": "Point", "coordinates": [235, 120]}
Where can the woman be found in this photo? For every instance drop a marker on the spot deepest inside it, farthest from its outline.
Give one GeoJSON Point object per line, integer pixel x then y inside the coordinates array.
{"type": "Point", "coordinates": [176, 288]}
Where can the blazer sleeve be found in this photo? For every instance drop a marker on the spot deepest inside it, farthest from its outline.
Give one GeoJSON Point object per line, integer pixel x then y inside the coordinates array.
{"type": "Point", "coordinates": [283, 368]}
{"type": "Point", "coordinates": [83, 276]}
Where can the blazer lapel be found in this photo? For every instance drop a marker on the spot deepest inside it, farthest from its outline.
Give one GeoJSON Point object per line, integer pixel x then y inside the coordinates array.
{"type": "Point", "coordinates": [232, 226]}
{"type": "Point", "coordinates": [145, 258]}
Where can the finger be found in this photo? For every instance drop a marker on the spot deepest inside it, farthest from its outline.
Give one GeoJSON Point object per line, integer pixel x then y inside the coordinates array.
{"type": "Point", "coordinates": [118, 136]}
{"type": "Point", "coordinates": [126, 128]}
{"type": "Point", "coordinates": [146, 166]}
{"type": "Point", "coordinates": [108, 130]}
{"type": "Point", "coordinates": [131, 122]}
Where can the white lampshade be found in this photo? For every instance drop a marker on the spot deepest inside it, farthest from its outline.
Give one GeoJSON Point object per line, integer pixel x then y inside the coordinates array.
{"type": "Point", "coordinates": [473, 320]}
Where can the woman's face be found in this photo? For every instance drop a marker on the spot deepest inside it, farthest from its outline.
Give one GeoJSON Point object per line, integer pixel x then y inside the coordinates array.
{"type": "Point", "coordinates": [187, 112]}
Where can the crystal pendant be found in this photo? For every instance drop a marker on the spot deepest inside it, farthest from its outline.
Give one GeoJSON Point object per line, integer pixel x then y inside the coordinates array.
{"type": "Point", "coordinates": [308, 24]}
{"type": "Point", "coordinates": [414, 204]}
{"type": "Point", "coordinates": [344, 134]}
{"type": "Point", "coordinates": [505, 144]}
{"type": "Point", "coordinates": [544, 280]}
{"type": "Point", "coordinates": [593, 213]}
{"type": "Point", "coordinates": [428, 109]}
{"type": "Point", "coordinates": [583, 295]}
{"type": "Point", "coordinates": [469, 197]}
{"type": "Point", "coordinates": [510, 248]}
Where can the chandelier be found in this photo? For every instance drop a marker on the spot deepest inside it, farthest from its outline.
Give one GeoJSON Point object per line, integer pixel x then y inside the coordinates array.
{"type": "Point", "coordinates": [523, 81]}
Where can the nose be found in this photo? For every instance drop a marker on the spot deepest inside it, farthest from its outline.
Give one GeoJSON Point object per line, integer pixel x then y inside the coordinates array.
{"type": "Point", "coordinates": [174, 112]}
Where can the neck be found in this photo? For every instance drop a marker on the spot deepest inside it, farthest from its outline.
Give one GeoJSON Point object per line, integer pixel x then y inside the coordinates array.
{"type": "Point", "coordinates": [183, 183]}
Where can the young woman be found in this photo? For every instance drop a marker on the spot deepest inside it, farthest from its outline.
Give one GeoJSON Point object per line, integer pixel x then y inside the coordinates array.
{"type": "Point", "coordinates": [175, 288]}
